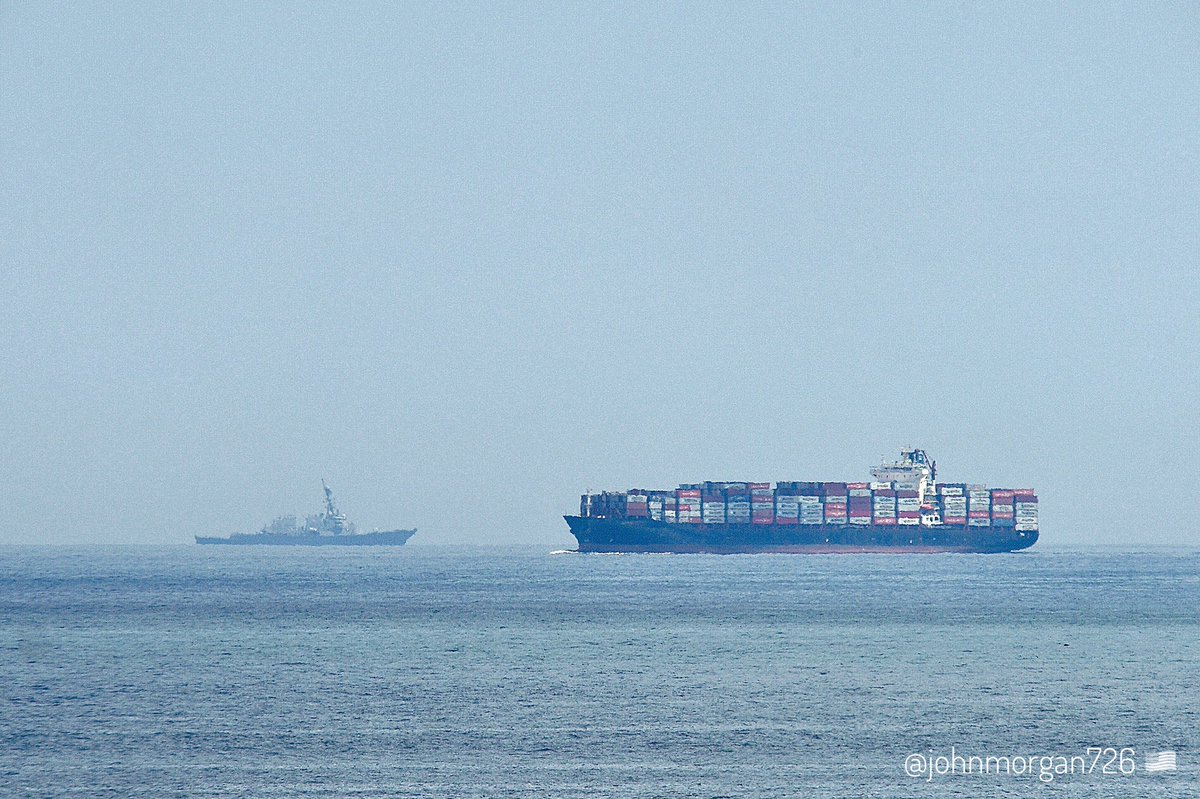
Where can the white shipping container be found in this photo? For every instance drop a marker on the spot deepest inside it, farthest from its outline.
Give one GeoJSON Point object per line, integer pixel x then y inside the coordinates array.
{"type": "Point", "coordinates": [978, 522]}
{"type": "Point", "coordinates": [880, 486]}
{"type": "Point", "coordinates": [907, 521]}
{"type": "Point", "coordinates": [860, 492]}
{"type": "Point", "coordinates": [1023, 526]}
{"type": "Point", "coordinates": [950, 491]}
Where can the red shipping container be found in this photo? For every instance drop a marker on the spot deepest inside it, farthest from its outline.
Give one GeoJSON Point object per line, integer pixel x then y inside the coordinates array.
{"type": "Point", "coordinates": [884, 521]}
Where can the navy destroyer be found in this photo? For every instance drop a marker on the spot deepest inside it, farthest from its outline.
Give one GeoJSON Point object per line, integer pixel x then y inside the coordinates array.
{"type": "Point", "coordinates": [903, 509]}
{"type": "Point", "coordinates": [329, 528]}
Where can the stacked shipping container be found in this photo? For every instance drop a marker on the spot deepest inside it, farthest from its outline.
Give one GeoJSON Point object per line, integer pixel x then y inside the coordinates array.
{"type": "Point", "coordinates": [979, 506]}
{"type": "Point", "coordinates": [883, 504]}
{"type": "Point", "coordinates": [713, 504]}
{"type": "Point", "coordinates": [1025, 509]}
{"type": "Point", "coordinates": [908, 506]}
{"type": "Point", "coordinates": [688, 509]}
{"type": "Point", "coordinates": [806, 503]}
{"type": "Point", "coordinates": [762, 504]}
{"type": "Point", "coordinates": [1002, 507]}
{"type": "Point", "coordinates": [953, 503]}
{"type": "Point", "coordinates": [812, 512]}
{"type": "Point", "coordinates": [787, 504]}
{"type": "Point", "coordinates": [836, 506]}
{"type": "Point", "coordinates": [737, 497]}
{"type": "Point", "coordinates": [858, 504]}
{"type": "Point", "coordinates": [636, 504]}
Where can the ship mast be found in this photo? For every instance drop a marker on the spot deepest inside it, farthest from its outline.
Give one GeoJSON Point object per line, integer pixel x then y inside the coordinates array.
{"type": "Point", "coordinates": [334, 521]}
{"type": "Point", "coordinates": [330, 508]}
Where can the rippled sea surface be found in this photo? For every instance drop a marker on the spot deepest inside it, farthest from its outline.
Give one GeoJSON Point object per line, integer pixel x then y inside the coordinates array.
{"type": "Point", "coordinates": [446, 672]}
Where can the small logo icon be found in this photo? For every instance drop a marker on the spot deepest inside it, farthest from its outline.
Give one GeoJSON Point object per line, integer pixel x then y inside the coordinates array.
{"type": "Point", "coordinates": [1160, 761]}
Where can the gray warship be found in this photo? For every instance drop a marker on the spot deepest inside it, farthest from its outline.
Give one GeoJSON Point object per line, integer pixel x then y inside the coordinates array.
{"type": "Point", "coordinates": [329, 528]}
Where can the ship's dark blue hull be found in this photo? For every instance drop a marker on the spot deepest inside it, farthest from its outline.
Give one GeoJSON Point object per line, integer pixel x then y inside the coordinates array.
{"type": "Point", "coordinates": [645, 535]}
{"type": "Point", "coordinates": [393, 538]}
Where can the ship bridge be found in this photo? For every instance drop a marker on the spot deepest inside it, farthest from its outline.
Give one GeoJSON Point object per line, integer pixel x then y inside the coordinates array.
{"type": "Point", "coordinates": [913, 470]}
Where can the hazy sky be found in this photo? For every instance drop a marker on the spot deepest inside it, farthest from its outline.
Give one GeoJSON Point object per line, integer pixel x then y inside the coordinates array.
{"type": "Point", "coordinates": [467, 261]}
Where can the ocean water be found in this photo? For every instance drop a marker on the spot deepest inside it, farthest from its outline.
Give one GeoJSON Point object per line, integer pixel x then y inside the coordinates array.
{"type": "Point", "coordinates": [512, 672]}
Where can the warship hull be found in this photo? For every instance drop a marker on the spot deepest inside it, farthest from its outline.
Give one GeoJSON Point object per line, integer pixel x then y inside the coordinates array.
{"type": "Point", "coordinates": [393, 538]}
{"type": "Point", "coordinates": [646, 535]}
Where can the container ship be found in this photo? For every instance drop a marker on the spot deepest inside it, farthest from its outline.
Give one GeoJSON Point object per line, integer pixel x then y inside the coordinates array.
{"type": "Point", "coordinates": [903, 509]}
{"type": "Point", "coordinates": [329, 528]}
